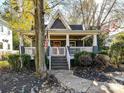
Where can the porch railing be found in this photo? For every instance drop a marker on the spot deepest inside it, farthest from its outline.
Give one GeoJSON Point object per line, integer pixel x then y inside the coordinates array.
{"type": "Point", "coordinates": [74, 50]}
{"type": "Point", "coordinates": [57, 51]}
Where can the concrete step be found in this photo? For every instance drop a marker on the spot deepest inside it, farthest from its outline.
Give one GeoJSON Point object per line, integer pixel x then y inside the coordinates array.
{"type": "Point", "coordinates": [59, 64]}
{"type": "Point", "coordinates": [60, 67]}
{"type": "Point", "coordinates": [58, 59]}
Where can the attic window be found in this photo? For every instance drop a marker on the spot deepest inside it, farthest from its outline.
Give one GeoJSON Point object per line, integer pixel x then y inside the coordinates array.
{"type": "Point", "coordinates": [58, 24]}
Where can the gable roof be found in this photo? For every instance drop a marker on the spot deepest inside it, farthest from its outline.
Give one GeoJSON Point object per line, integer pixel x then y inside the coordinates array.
{"type": "Point", "coordinates": [58, 22]}
{"type": "Point", "coordinates": [58, 15]}
{"type": "Point", "coordinates": [76, 27]}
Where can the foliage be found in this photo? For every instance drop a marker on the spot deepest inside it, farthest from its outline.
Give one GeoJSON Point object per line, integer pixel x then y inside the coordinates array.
{"type": "Point", "coordinates": [78, 55]}
{"type": "Point", "coordinates": [26, 59]}
{"type": "Point", "coordinates": [14, 60]}
{"type": "Point", "coordinates": [116, 51]}
{"type": "Point", "coordinates": [15, 41]}
{"type": "Point", "coordinates": [85, 60]}
{"type": "Point", "coordinates": [26, 41]}
{"type": "Point", "coordinates": [4, 65]}
{"type": "Point", "coordinates": [104, 50]}
{"type": "Point", "coordinates": [101, 40]}
{"type": "Point", "coordinates": [101, 61]}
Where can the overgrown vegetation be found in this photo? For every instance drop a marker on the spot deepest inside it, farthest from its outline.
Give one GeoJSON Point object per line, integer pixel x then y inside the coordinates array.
{"type": "Point", "coordinates": [86, 59]}
{"type": "Point", "coordinates": [116, 51]}
{"type": "Point", "coordinates": [82, 56]}
{"type": "Point", "coordinates": [15, 61]}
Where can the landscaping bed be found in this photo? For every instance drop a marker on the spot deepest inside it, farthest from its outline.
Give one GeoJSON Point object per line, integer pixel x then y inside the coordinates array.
{"type": "Point", "coordinates": [28, 82]}
{"type": "Point", "coordinates": [92, 73]}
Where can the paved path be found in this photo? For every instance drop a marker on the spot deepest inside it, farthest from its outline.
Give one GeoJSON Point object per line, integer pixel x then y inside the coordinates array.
{"type": "Point", "coordinates": [82, 85]}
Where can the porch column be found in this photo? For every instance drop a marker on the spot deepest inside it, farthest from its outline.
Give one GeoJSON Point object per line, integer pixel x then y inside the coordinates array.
{"type": "Point", "coordinates": [21, 45]}
{"type": "Point", "coordinates": [49, 40]}
{"type": "Point", "coordinates": [95, 44]}
{"type": "Point", "coordinates": [67, 40]}
{"type": "Point", "coordinates": [49, 51]}
{"type": "Point", "coordinates": [83, 43]}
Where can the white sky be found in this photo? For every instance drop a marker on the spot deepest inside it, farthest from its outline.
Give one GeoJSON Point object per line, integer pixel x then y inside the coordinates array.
{"type": "Point", "coordinates": [99, 1]}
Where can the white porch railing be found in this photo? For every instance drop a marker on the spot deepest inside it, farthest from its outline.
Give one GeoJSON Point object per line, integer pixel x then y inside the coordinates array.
{"type": "Point", "coordinates": [57, 51]}
{"type": "Point", "coordinates": [74, 50]}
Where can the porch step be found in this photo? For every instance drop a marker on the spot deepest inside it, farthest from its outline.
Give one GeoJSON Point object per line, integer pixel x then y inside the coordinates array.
{"type": "Point", "coordinates": [59, 63]}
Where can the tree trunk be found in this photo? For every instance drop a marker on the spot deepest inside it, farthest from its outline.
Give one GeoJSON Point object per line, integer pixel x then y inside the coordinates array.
{"type": "Point", "coordinates": [40, 36]}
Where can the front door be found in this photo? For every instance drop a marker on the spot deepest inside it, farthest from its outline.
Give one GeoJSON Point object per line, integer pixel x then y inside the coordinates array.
{"type": "Point", "coordinates": [57, 50]}
{"type": "Point", "coordinates": [56, 43]}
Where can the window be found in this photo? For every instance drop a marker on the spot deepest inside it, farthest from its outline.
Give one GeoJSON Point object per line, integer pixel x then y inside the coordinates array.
{"type": "Point", "coordinates": [1, 45]}
{"type": "Point", "coordinates": [8, 46]}
{"type": "Point", "coordinates": [8, 32]}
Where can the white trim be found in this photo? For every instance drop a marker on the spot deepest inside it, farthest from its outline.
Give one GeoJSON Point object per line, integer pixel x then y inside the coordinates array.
{"type": "Point", "coordinates": [95, 40]}
{"type": "Point", "coordinates": [67, 40]}
{"type": "Point", "coordinates": [58, 14]}
{"type": "Point", "coordinates": [74, 43]}
{"type": "Point", "coordinates": [86, 37]}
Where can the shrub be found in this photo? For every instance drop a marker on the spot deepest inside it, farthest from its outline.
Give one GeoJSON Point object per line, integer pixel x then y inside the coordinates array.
{"type": "Point", "coordinates": [26, 59]}
{"type": "Point", "coordinates": [85, 60]}
{"type": "Point", "coordinates": [14, 60]}
{"type": "Point", "coordinates": [104, 52]}
{"type": "Point", "coordinates": [81, 54]}
{"type": "Point", "coordinates": [101, 61]}
{"type": "Point", "coordinates": [4, 65]}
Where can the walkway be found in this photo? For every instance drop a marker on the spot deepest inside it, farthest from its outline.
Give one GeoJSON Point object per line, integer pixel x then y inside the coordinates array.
{"type": "Point", "coordinates": [66, 78]}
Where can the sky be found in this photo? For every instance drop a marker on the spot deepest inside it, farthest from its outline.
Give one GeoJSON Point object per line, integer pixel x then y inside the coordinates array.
{"type": "Point", "coordinates": [1, 1]}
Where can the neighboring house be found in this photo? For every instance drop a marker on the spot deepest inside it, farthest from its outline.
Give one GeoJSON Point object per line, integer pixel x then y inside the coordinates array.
{"type": "Point", "coordinates": [6, 44]}
{"type": "Point", "coordinates": [63, 41]}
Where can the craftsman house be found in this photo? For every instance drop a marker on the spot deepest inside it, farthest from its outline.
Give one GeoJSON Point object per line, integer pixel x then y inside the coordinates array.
{"type": "Point", "coordinates": [64, 40]}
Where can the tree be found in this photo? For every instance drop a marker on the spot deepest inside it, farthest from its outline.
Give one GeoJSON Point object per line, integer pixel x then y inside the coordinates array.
{"type": "Point", "coordinates": [117, 49]}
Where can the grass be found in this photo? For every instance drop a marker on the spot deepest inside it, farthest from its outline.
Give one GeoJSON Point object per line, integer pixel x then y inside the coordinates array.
{"type": "Point", "coordinates": [4, 64]}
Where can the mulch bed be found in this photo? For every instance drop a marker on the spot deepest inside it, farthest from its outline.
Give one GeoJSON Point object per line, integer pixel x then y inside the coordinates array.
{"type": "Point", "coordinates": [97, 75]}
{"type": "Point", "coordinates": [28, 82]}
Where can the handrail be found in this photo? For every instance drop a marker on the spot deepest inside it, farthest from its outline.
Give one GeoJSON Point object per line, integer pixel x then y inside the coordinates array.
{"type": "Point", "coordinates": [68, 58]}
{"type": "Point", "coordinates": [49, 58]}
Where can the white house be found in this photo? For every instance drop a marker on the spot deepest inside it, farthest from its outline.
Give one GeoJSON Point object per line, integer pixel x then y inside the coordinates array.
{"type": "Point", "coordinates": [6, 40]}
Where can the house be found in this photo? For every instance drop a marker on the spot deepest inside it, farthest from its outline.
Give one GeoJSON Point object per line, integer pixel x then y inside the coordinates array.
{"type": "Point", "coordinates": [64, 40]}
{"type": "Point", "coordinates": [6, 44]}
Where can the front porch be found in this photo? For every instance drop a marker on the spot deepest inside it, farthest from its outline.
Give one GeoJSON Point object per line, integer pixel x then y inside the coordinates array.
{"type": "Point", "coordinates": [66, 45]}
